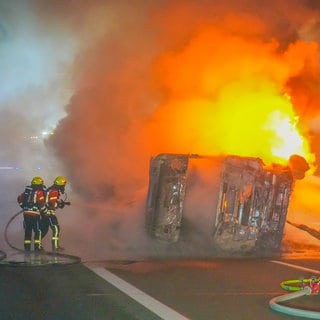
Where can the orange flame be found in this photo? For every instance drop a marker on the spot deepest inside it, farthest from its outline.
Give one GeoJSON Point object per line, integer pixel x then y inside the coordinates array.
{"type": "Point", "coordinates": [225, 95]}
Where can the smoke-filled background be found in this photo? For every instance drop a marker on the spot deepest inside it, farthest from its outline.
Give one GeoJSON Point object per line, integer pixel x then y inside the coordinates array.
{"type": "Point", "coordinates": [92, 89]}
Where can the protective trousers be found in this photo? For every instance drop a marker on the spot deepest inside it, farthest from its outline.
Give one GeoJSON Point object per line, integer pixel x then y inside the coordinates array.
{"type": "Point", "coordinates": [32, 223]}
{"type": "Point", "coordinates": [50, 220]}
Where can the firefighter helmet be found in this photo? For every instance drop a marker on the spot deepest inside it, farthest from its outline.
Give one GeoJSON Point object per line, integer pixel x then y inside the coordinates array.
{"type": "Point", "coordinates": [37, 181]}
{"type": "Point", "coordinates": [60, 181]}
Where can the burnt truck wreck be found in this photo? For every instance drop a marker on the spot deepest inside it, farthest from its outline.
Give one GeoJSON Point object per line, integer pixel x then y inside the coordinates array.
{"type": "Point", "coordinates": [252, 205]}
{"type": "Point", "coordinates": [165, 200]}
{"type": "Point", "coordinates": [252, 202]}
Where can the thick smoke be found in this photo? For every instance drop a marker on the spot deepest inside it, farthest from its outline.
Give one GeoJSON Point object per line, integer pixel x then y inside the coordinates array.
{"type": "Point", "coordinates": [113, 80]}
{"type": "Point", "coordinates": [36, 64]}
{"type": "Point", "coordinates": [120, 89]}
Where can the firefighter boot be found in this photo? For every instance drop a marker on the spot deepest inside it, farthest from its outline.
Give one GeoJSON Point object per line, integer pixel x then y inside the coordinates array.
{"type": "Point", "coordinates": [37, 246]}
{"type": "Point", "coordinates": [27, 245]}
{"type": "Point", "coordinates": [55, 245]}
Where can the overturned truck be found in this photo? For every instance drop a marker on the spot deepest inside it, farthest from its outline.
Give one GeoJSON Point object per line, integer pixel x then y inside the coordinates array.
{"type": "Point", "coordinates": [252, 202]}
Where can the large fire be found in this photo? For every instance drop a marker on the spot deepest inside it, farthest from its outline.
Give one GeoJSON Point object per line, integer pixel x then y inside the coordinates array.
{"type": "Point", "coordinates": [208, 77]}
{"type": "Point", "coordinates": [227, 93]}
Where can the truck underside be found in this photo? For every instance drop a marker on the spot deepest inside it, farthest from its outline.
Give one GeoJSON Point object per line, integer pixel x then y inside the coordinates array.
{"type": "Point", "coordinates": [251, 210]}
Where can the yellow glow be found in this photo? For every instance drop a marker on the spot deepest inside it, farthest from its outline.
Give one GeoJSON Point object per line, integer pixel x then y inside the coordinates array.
{"type": "Point", "coordinates": [287, 140]}
{"type": "Point", "coordinates": [229, 99]}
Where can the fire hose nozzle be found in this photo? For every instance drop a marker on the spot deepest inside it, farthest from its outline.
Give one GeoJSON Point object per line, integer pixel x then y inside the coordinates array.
{"type": "Point", "coordinates": [62, 203]}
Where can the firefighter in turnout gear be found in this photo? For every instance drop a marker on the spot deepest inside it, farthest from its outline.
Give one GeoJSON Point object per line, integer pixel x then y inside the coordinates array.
{"type": "Point", "coordinates": [33, 203]}
{"type": "Point", "coordinates": [53, 202]}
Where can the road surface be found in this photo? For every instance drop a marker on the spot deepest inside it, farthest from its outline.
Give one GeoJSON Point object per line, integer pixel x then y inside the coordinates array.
{"type": "Point", "coordinates": [180, 289]}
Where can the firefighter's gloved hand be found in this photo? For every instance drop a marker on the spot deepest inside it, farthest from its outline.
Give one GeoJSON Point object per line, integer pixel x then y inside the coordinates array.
{"type": "Point", "coordinates": [61, 204]}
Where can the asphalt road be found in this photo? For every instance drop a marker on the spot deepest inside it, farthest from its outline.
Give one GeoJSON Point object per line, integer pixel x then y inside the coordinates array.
{"type": "Point", "coordinates": [62, 292]}
{"type": "Point", "coordinates": [147, 290]}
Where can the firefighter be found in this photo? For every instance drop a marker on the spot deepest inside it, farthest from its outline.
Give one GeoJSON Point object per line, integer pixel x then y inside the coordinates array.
{"type": "Point", "coordinates": [33, 203]}
{"type": "Point", "coordinates": [53, 202]}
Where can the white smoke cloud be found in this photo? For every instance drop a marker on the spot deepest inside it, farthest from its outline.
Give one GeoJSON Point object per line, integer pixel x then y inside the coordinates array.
{"type": "Point", "coordinates": [35, 82]}
{"type": "Point", "coordinates": [36, 63]}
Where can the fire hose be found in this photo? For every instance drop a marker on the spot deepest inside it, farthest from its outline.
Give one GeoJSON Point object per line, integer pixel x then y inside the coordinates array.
{"type": "Point", "coordinates": [70, 258]}
{"type": "Point", "coordinates": [299, 288]}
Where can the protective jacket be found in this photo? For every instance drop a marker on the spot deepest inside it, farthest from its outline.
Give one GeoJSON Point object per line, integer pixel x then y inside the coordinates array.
{"type": "Point", "coordinates": [32, 201]}
{"type": "Point", "coordinates": [52, 199]}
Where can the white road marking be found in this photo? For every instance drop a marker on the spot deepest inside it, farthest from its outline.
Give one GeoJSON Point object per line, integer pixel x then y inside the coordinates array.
{"type": "Point", "coordinates": [150, 303]}
{"type": "Point", "coordinates": [296, 266]}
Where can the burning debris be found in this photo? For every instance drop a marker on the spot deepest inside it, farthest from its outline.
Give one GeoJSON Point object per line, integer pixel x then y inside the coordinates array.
{"type": "Point", "coordinates": [252, 202]}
